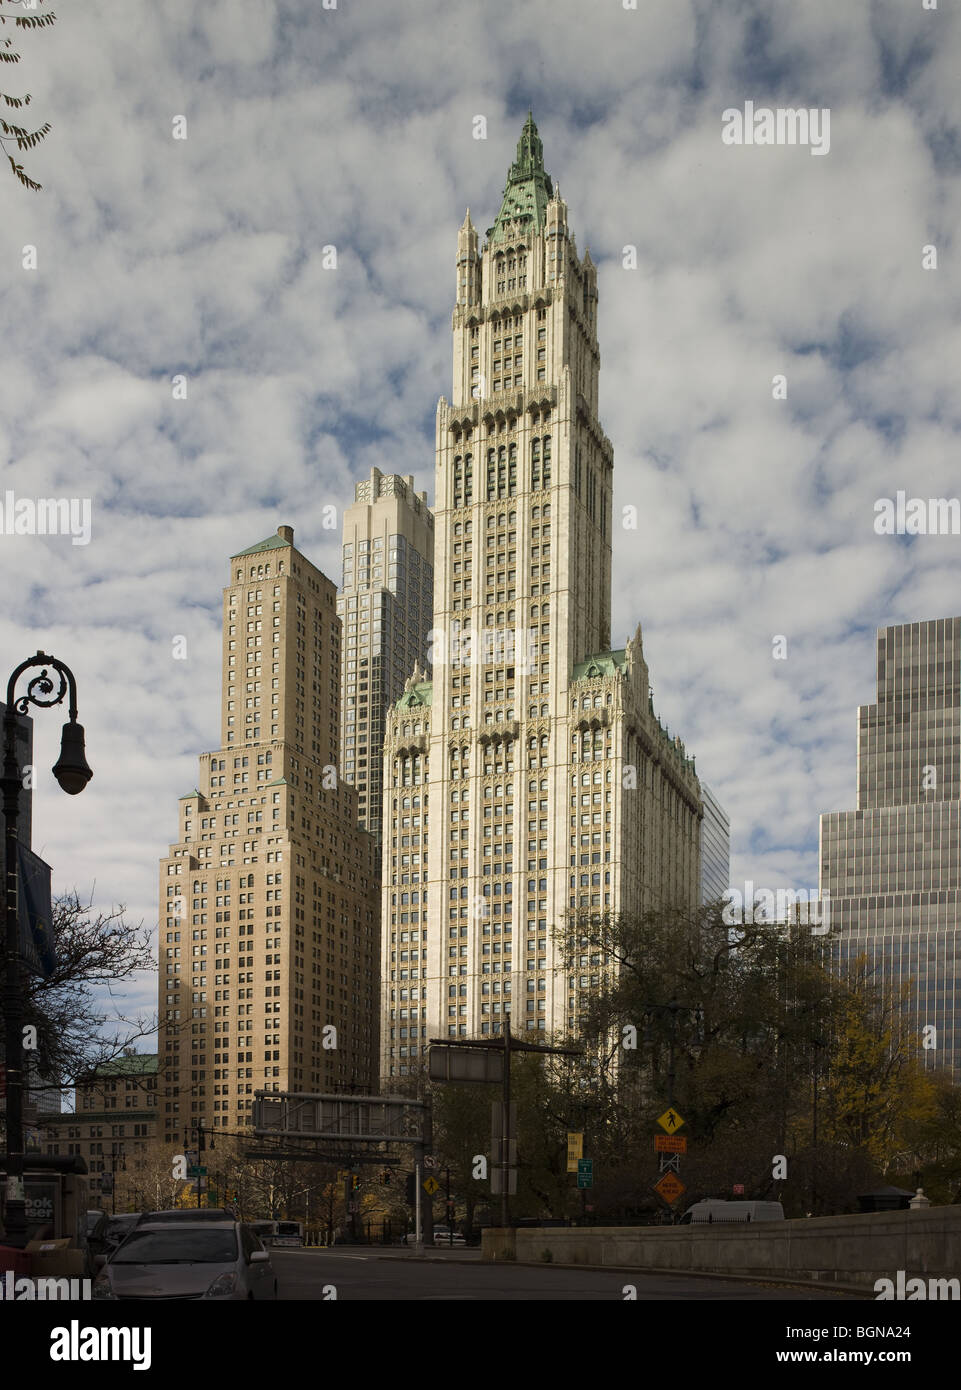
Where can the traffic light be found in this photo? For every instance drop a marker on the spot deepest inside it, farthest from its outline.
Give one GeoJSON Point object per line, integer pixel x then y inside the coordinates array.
{"type": "Point", "coordinates": [354, 1181]}
{"type": "Point", "coordinates": [385, 1177]}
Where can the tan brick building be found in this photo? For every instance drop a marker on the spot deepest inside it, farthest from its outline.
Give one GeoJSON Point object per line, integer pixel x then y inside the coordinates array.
{"type": "Point", "coordinates": [268, 902]}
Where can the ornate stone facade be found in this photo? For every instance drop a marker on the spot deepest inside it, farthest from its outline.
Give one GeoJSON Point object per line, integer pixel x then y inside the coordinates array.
{"type": "Point", "coordinates": [528, 777]}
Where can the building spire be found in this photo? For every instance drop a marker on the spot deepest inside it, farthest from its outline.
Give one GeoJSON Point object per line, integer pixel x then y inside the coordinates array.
{"type": "Point", "coordinates": [528, 187]}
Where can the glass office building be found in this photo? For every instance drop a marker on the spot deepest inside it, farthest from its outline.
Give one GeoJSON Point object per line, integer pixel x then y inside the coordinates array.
{"type": "Point", "coordinates": [715, 848]}
{"type": "Point", "coordinates": [892, 866]}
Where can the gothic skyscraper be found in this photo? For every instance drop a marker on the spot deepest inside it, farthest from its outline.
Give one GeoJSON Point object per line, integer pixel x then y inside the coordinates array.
{"type": "Point", "coordinates": [526, 775]}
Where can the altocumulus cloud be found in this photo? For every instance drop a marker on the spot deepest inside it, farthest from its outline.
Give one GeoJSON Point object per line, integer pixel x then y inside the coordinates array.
{"type": "Point", "coordinates": [306, 129]}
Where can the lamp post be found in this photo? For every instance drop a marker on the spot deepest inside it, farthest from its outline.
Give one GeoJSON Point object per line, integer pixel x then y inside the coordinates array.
{"type": "Point", "coordinates": [73, 774]}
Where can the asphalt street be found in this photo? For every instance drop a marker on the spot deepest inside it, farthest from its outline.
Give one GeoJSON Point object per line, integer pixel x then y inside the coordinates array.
{"type": "Point", "coordinates": [369, 1273]}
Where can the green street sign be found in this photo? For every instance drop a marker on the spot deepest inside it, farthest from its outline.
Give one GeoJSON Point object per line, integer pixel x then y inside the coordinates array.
{"type": "Point", "coordinates": [194, 1172]}
{"type": "Point", "coordinates": [585, 1172]}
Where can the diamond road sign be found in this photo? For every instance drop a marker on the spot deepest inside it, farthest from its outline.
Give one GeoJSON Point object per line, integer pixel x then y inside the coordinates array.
{"type": "Point", "coordinates": [431, 1186]}
{"type": "Point", "coordinates": [670, 1188]}
{"type": "Point", "coordinates": [670, 1121]}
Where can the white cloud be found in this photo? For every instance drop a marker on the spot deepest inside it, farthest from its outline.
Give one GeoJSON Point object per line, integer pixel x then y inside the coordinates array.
{"type": "Point", "coordinates": [352, 127]}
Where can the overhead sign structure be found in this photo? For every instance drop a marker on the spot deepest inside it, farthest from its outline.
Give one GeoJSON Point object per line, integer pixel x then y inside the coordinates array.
{"type": "Point", "coordinates": [670, 1144]}
{"type": "Point", "coordinates": [670, 1121]}
{"type": "Point", "coordinates": [575, 1150]}
{"type": "Point", "coordinates": [466, 1064]}
{"type": "Point", "coordinates": [670, 1188]}
{"type": "Point", "coordinates": [348, 1119]}
{"type": "Point", "coordinates": [585, 1172]}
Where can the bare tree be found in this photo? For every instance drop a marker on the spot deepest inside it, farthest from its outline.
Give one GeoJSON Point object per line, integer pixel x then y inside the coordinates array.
{"type": "Point", "coordinates": [75, 1033]}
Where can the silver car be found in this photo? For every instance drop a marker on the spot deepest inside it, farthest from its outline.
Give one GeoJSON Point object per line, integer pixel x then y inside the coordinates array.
{"type": "Point", "coordinates": [188, 1260]}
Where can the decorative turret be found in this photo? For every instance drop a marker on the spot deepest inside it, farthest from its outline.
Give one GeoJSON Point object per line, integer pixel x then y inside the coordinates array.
{"type": "Point", "coordinates": [468, 264]}
{"type": "Point", "coordinates": [556, 229]}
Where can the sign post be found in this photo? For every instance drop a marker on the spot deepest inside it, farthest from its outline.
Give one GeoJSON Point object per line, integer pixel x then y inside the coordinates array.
{"type": "Point", "coordinates": [669, 1146]}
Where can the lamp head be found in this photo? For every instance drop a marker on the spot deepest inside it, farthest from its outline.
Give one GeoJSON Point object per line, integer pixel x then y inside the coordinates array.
{"type": "Point", "coordinates": [71, 769]}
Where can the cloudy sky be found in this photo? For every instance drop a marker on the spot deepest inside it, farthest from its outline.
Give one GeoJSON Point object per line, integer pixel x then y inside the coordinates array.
{"type": "Point", "coordinates": [353, 126]}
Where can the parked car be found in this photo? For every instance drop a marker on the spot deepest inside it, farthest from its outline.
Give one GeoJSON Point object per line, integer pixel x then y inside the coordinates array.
{"type": "Point", "coordinates": [94, 1240]}
{"type": "Point", "coordinates": [193, 1260]}
{"type": "Point", "coordinates": [189, 1214]}
{"type": "Point", "coordinates": [444, 1236]}
{"type": "Point", "coordinates": [715, 1210]}
{"type": "Point", "coordinates": [118, 1228]}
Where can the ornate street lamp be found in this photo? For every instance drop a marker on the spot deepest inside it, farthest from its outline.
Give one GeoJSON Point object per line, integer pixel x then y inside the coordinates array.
{"type": "Point", "coordinates": [48, 687]}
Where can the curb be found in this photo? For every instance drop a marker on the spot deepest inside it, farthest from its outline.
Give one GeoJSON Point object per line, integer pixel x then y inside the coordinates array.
{"type": "Point", "coordinates": [821, 1284]}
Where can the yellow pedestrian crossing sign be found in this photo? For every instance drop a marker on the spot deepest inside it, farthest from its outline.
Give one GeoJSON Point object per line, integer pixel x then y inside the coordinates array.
{"type": "Point", "coordinates": [670, 1120]}
{"type": "Point", "coordinates": [431, 1186]}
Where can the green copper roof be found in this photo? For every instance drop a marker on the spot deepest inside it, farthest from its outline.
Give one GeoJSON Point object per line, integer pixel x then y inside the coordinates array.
{"type": "Point", "coordinates": [528, 185]}
{"type": "Point", "coordinates": [419, 694]}
{"type": "Point", "coordinates": [271, 543]}
{"type": "Point", "coordinates": [603, 664]}
{"type": "Point", "coordinates": [190, 795]}
{"type": "Point", "coordinates": [142, 1063]}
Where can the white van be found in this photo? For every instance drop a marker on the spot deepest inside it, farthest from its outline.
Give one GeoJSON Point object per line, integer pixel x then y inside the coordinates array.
{"type": "Point", "coordinates": [714, 1210]}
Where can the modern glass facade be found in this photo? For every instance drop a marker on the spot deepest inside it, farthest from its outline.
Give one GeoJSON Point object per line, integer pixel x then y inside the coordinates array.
{"type": "Point", "coordinates": [715, 848]}
{"type": "Point", "coordinates": [893, 866]}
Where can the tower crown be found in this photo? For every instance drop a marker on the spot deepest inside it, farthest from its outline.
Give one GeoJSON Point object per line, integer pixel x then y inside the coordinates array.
{"type": "Point", "coordinates": [528, 187]}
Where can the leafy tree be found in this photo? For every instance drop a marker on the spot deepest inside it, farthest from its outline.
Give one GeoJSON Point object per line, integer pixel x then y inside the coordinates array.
{"type": "Point", "coordinates": [462, 1129]}
{"type": "Point", "coordinates": [10, 132]}
{"type": "Point", "coordinates": [875, 1091]}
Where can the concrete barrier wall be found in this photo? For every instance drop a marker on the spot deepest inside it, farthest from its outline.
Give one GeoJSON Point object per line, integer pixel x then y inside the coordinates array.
{"type": "Point", "coordinates": [841, 1249]}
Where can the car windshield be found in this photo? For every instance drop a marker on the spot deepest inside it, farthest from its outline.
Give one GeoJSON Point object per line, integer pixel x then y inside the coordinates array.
{"type": "Point", "coordinates": [212, 1246]}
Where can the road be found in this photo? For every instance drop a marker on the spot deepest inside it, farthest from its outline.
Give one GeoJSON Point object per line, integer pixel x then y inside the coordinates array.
{"type": "Point", "coordinates": [381, 1275]}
